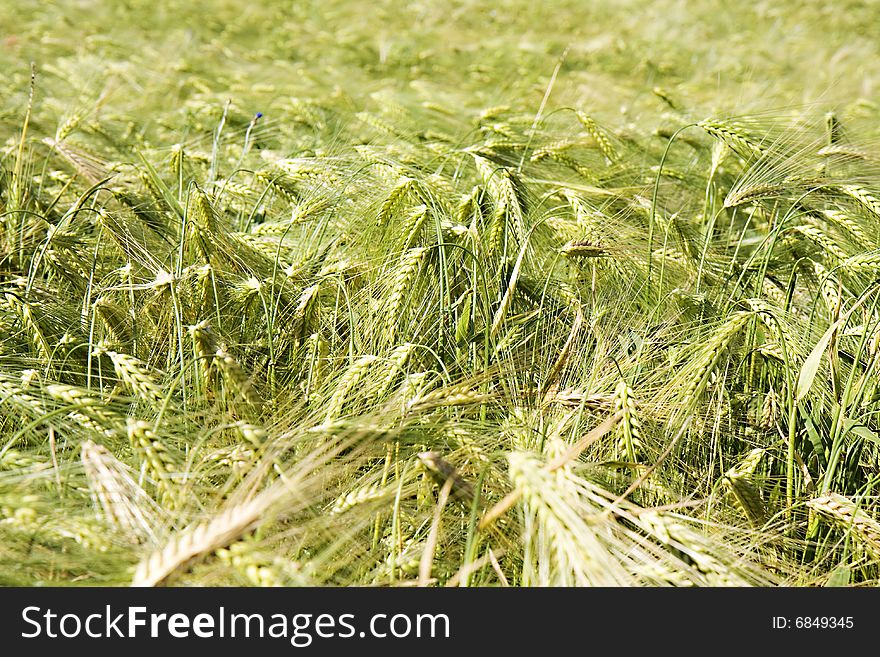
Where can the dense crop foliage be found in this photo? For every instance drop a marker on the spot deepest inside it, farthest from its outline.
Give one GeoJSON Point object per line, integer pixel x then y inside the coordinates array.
{"type": "Point", "coordinates": [495, 294]}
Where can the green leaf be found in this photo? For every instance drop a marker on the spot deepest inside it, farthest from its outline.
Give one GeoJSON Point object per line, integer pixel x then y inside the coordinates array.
{"type": "Point", "coordinates": [815, 438]}
{"type": "Point", "coordinates": [811, 365]}
{"type": "Point", "coordinates": [840, 576]}
{"type": "Point", "coordinates": [814, 360]}
{"type": "Point", "coordinates": [463, 326]}
{"type": "Point", "coordinates": [859, 429]}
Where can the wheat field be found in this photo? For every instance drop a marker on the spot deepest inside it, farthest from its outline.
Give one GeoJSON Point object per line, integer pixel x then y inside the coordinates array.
{"type": "Point", "coordinates": [439, 294]}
